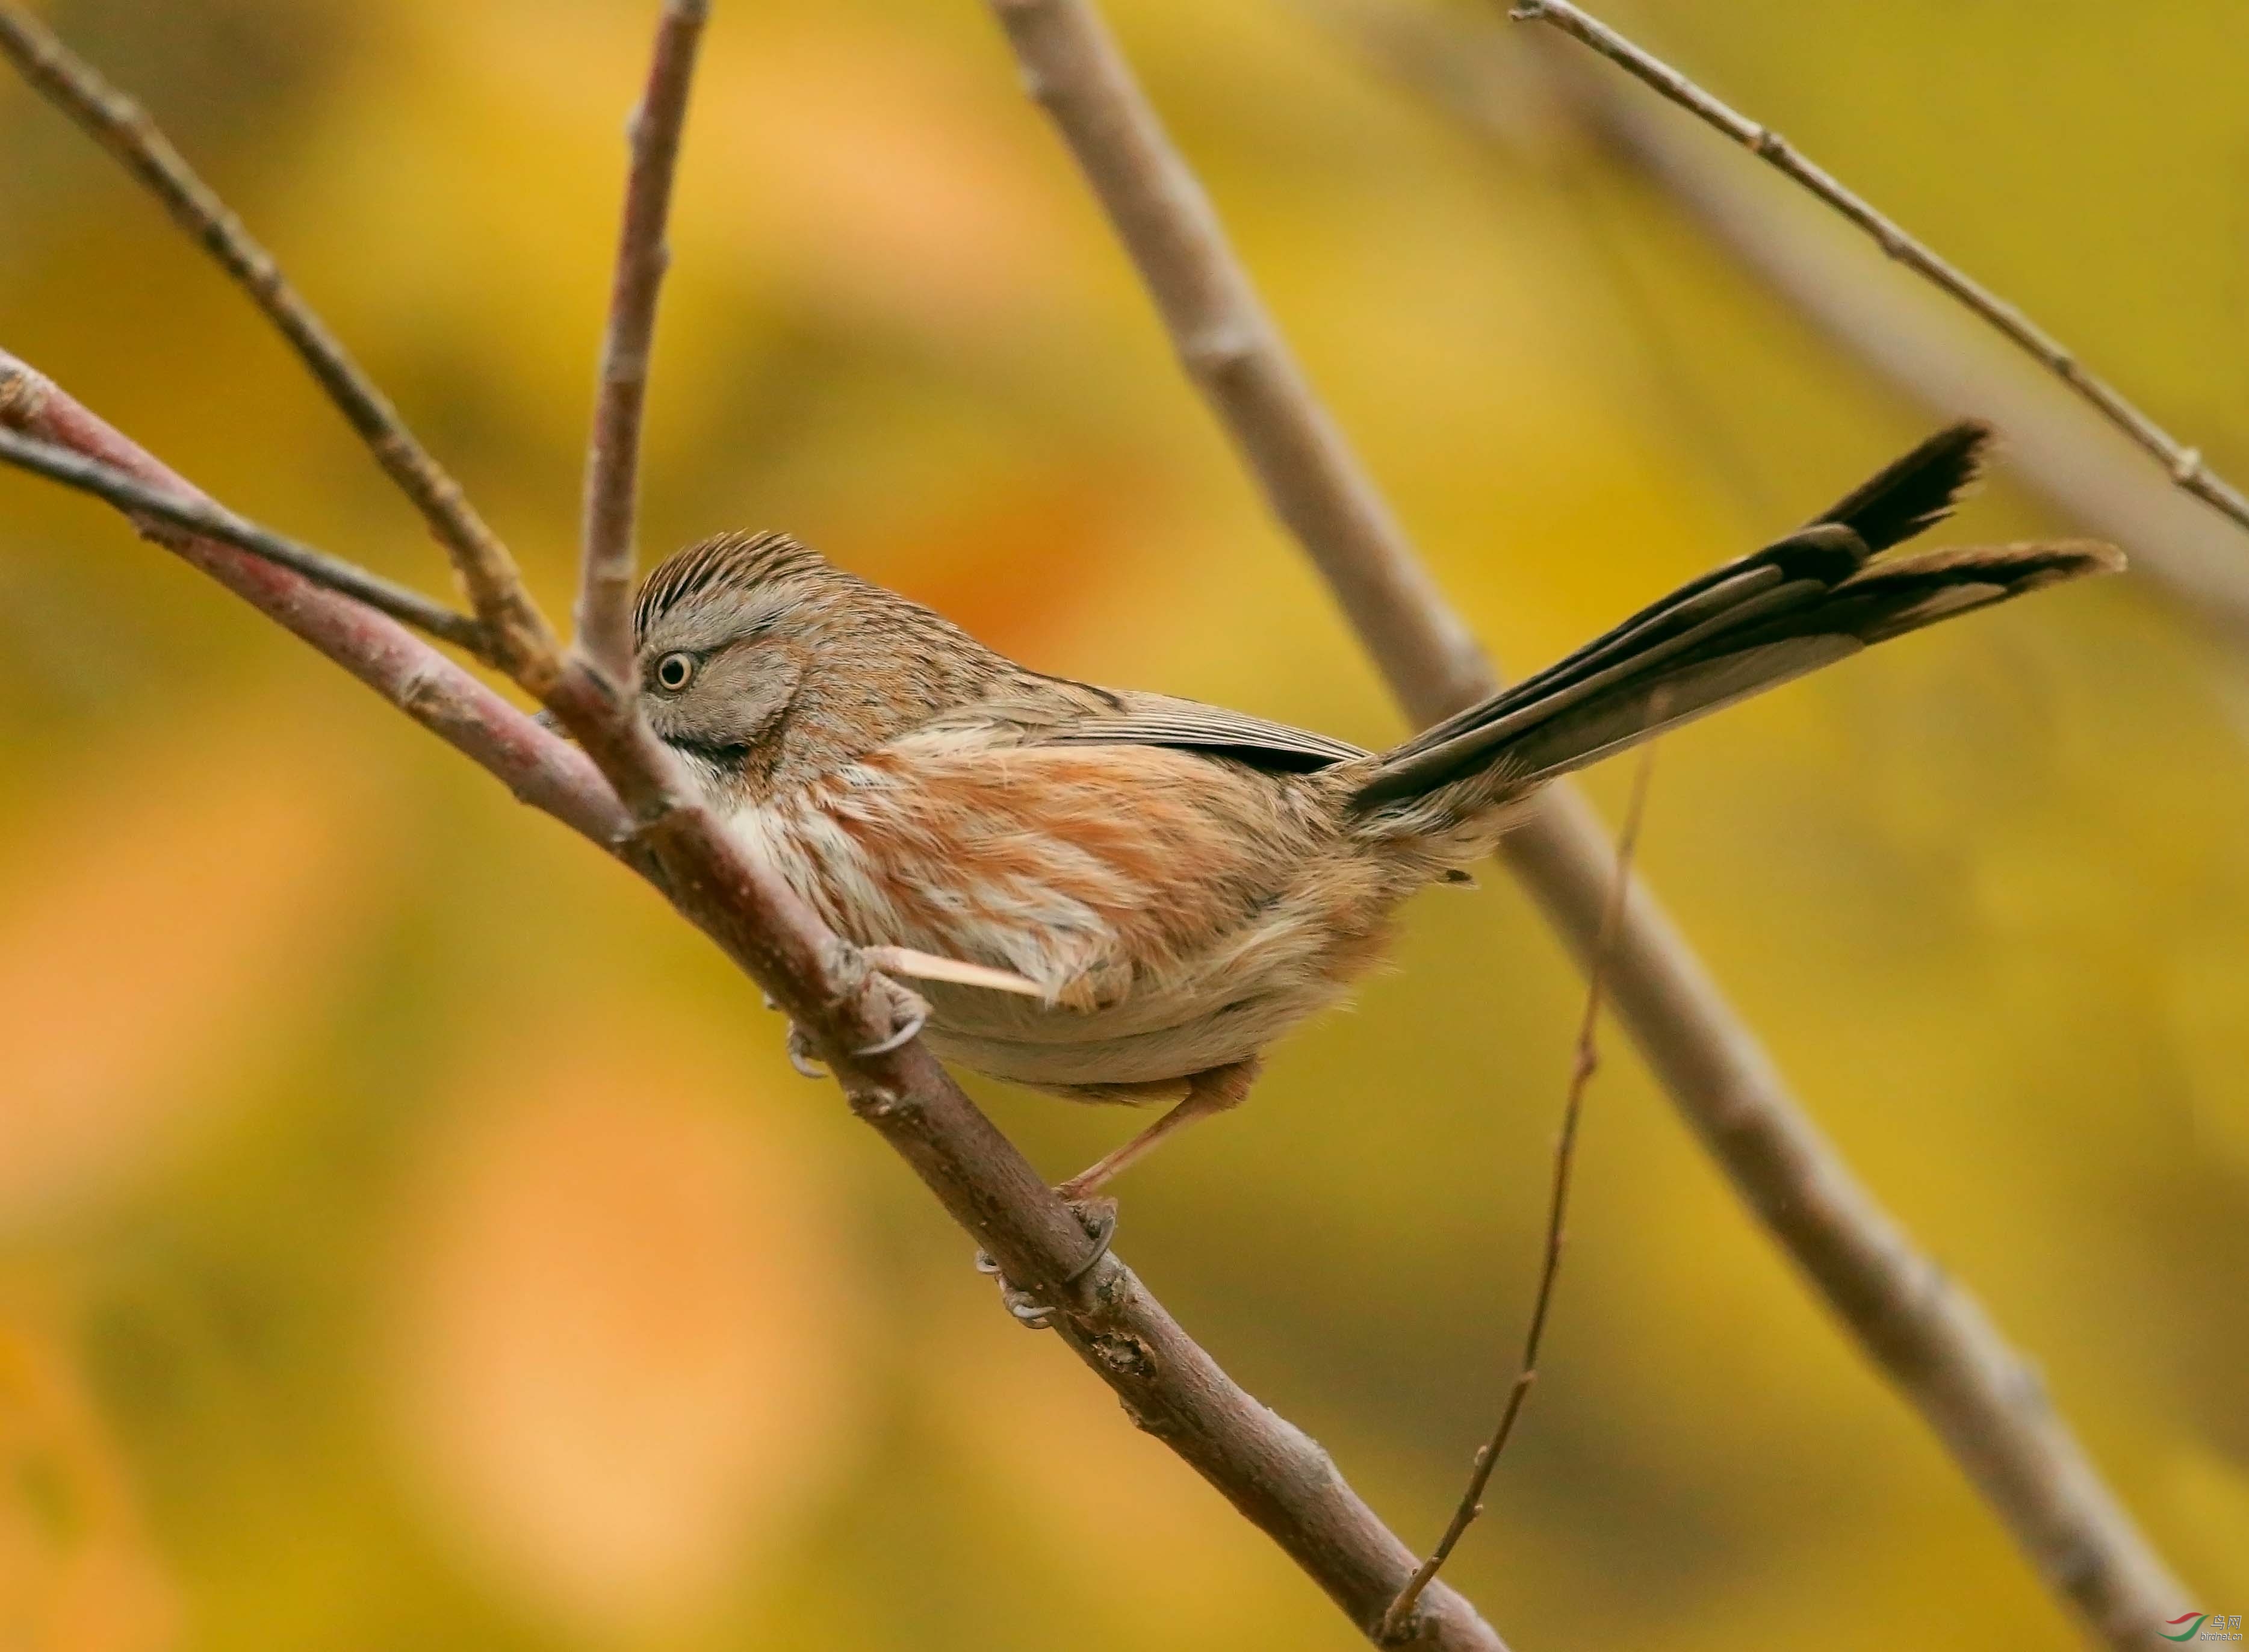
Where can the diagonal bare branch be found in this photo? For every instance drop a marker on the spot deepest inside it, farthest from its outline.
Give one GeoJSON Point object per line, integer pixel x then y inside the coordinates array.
{"type": "Point", "coordinates": [2184, 463]}
{"type": "Point", "coordinates": [212, 521]}
{"type": "Point", "coordinates": [1920, 1327]}
{"type": "Point", "coordinates": [521, 635]}
{"type": "Point", "coordinates": [1228, 346]}
{"type": "Point", "coordinates": [605, 592]}
{"type": "Point", "coordinates": [1277, 1476]}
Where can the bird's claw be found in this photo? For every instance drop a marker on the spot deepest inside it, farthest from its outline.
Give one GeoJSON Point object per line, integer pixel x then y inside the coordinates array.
{"type": "Point", "coordinates": [801, 1055]}
{"type": "Point", "coordinates": [1099, 1219]}
{"type": "Point", "coordinates": [1031, 1314]}
{"type": "Point", "coordinates": [806, 1060]}
{"type": "Point", "coordinates": [917, 1017]}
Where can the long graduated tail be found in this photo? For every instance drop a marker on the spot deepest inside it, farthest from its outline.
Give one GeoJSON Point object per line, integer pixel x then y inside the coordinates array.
{"type": "Point", "coordinates": [1816, 597]}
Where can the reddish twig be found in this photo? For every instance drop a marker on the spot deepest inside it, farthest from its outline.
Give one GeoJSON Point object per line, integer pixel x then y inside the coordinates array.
{"type": "Point", "coordinates": [605, 595]}
{"type": "Point", "coordinates": [520, 633]}
{"type": "Point", "coordinates": [1921, 1327]}
{"type": "Point", "coordinates": [2184, 463]}
{"type": "Point", "coordinates": [202, 517]}
{"type": "Point", "coordinates": [1583, 1065]}
{"type": "Point", "coordinates": [548, 774]}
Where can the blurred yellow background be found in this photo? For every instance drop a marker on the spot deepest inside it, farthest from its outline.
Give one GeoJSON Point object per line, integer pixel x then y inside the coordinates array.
{"type": "Point", "coordinates": [410, 1233]}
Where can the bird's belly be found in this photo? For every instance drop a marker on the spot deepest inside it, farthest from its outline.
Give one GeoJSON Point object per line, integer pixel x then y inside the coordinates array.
{"type": "Point", "coordinates": [1143, 1040]}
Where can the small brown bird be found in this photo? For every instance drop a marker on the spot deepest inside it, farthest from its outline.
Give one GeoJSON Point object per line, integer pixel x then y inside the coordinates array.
{"type": "Point", "coordinates": [1173, 885]}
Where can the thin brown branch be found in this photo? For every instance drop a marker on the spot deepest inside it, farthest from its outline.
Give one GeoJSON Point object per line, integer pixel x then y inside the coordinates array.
{"type": "Point", "coordinates": [2184, 463]}
{"type": "Point", "coordinates": [1922, 1329]}
{"type": "Point", "coordinates": [1550, 110]}
{"type": "Point", "coordinates": [1277, 1476]}
{"type": "Point", "coordinates": [605, 594]}
{"type": "Point", "coordinates": [1585, 1063]}
{"type": "Point", "coordinates": [521, 635]}
{"type": "Point", "coordinates": [402, 604]}
{"type": "Point", "coordinates": [2061, 451]}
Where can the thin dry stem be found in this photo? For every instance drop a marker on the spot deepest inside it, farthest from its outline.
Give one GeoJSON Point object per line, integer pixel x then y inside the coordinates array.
{"type": "Point", "coordinates": [2058, 447]}
{"type": "Point", "coordinates": [1549, 111]}
{"type": "Point", "coordinates": [521, 635]}
{"type": "Point", "coordinates": [1586, 1062]}
{"type": "Point", "coordinates": [2184, 465]}
{"type": "Point", "coordinates": [153, 506]}
{"type": "Point", "coordinates": [605, 595]}
{"type": "Point", "coordinates": [1926, 1334]}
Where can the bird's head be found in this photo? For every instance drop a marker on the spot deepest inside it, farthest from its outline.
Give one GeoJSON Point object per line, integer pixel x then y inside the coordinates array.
{"type": "Point", "coordinates": [765, 667]}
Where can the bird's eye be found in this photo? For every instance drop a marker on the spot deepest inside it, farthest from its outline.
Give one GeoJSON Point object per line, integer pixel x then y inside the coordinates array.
{"type": "Point", "coordinates": [675, 671]}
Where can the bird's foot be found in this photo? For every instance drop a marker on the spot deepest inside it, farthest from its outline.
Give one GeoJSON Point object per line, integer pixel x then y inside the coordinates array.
{"type": "Point", "coordinates": [1030, 1311]}
{"type": "Point", "coordinates": [1098, 1217]}
{"type": "Point", "coordinates": [913, 1015]}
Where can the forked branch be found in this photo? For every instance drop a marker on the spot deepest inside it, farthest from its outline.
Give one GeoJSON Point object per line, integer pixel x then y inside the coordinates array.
{"type": "Point", "coordinates": [550, 775]}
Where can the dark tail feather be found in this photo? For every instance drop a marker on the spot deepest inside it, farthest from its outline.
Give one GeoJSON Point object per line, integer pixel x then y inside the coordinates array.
{"type": "Point", "coordinates": [1916, 491]}
{"type": "Point", "coordinates": [1812, 598]}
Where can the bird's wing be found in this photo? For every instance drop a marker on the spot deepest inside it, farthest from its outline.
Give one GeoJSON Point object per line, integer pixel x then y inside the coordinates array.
{"type": "Point", "coordinates": [1159, 719]}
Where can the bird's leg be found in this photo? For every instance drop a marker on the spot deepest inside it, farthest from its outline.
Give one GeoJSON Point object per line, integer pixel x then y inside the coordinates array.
{"type": "Point", "coordinates": [1211, 1091]}
{"type": "Point", "coordinates": [1208, 1092]}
